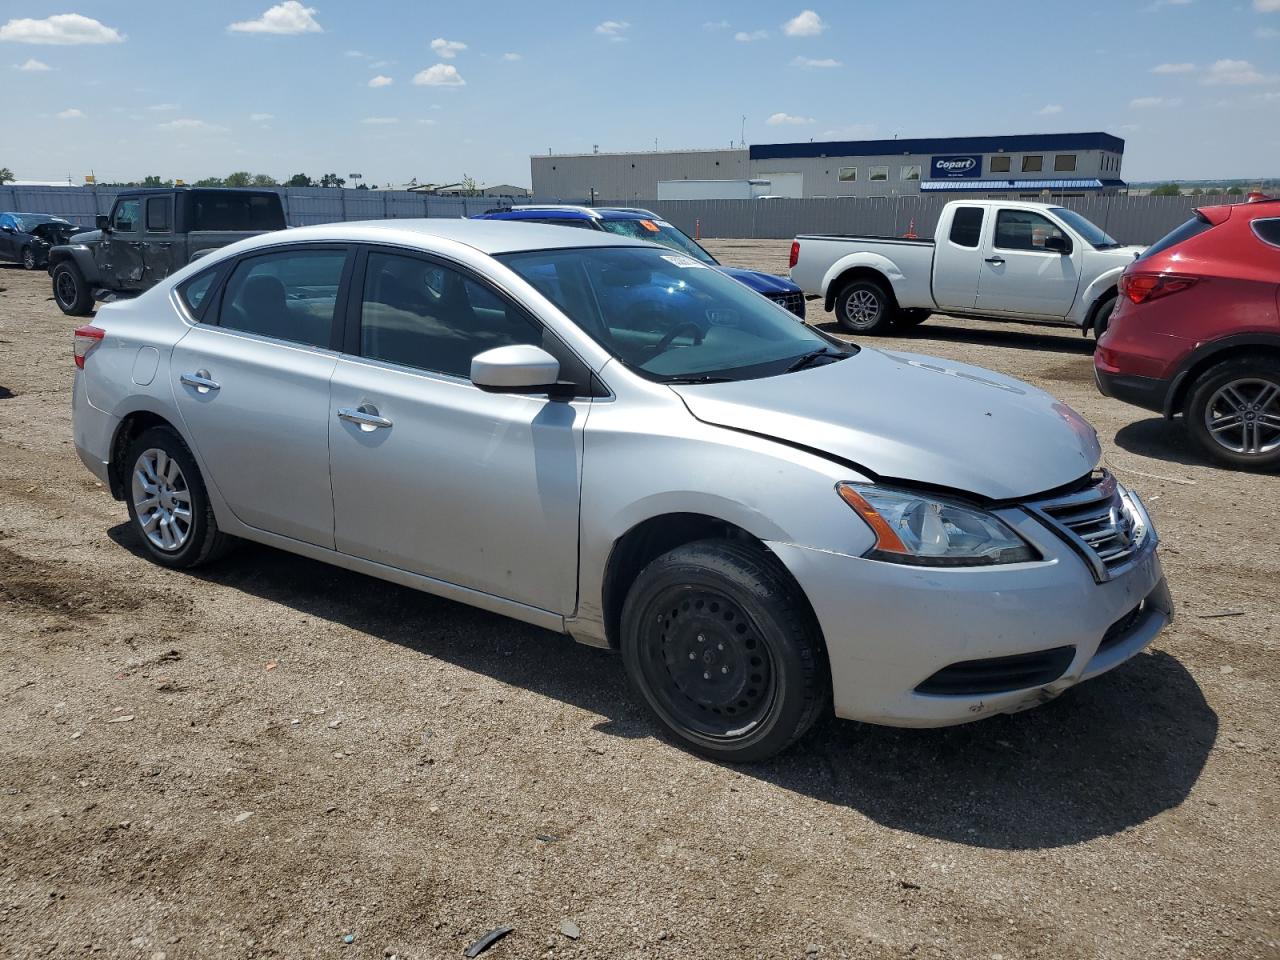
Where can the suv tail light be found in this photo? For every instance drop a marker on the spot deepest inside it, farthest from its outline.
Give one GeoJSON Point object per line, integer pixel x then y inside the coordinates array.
{"type": "Point", "coordinates": [795, 254]}
{"type": "Point", "coordinates": [1142, 287]}
{"type": "Point", "coordinates": [86, 338]}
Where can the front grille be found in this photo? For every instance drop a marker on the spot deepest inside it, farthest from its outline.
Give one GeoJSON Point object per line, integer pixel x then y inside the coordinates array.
{"type": "Point", "coordinates": [999, 674]}
{"type": "Point", "coordinates": [792, 301]}
{"type": "Point", "coordinates": [1099, 522]}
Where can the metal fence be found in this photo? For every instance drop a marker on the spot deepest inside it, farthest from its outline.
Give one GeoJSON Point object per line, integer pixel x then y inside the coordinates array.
{"type": "Point", "coordinates": [1127, 218]}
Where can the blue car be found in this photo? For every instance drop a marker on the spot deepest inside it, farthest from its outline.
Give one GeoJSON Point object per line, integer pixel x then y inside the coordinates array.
{"type": "Point", "coordinates": [646, 225]}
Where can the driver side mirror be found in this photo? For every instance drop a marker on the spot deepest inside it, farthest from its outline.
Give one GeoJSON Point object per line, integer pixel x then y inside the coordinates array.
{"type": "Point", "coordinates": [518, 368]}
{"type": "Point", "coordinates": [7, 229]}
{"type": "Point", "coordinates": [103, 222]}
{"type": "Point", "coordinates": [1058, 245]}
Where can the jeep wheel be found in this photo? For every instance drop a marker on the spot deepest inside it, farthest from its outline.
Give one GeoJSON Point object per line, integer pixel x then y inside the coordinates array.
{"type": "Point", "coordinates": [70, 292]}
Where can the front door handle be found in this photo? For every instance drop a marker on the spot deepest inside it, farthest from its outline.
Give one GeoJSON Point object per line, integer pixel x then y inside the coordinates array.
{"type": "Point", "coordinates": [995, 261]}
{"type": "Point", "coordinates": [364, 416]}
{"type": "Point", "coordinates": [200, 381]}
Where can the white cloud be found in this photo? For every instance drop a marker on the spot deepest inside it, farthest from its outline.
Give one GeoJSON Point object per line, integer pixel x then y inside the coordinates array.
{"type": "Point", "coordinates": [512, 57]}
{"type": "Point", "coordinates": [63, 29]}
{"type": "Point", "coordinates": [811, 62]}
{"type": "Point", "coordinates": [71, 114]}
{"type": "Point", "coordinates": [426, 121]}
{"type": "Point", "coordinates": [1168, 68]}
{"type": "Point", "coordinates": [1233, 73]}
{"type": "Point", "coordinates": [1049, 109]}
{"type": "Point", "coordinates": [804, 24]}
{"type": "Point", "coordinates": [613, 29]}
{"type": "Point", "coordinates": [1152, 8]}
{"type": "Point", "coordinates": [743, 37]}
{"type": "Point", "coordinates": [1266, 33]}
{"type": "Point", "coordinates": [1267, 6]}
{"type": "Point", "coordinates": [162, 107]}
{"type": "Point", "coordinates": [439, 75]}
{"type": "Point", "coordinates": [1148, 103]}
{"type": "Point", "coordinates": [379, 64]}
{"type": "Point", "coordinates": [447, 49]}
{"type": "Point", "coordinates": [781, 119]}
{"type": "Point", "coordinates": [716, 25]}
{"type": "Point", "coordinates": [261, 117]}
{"type": "Point", "coordinates": [380, 81]}
{"type": "Point", "coordinates": [186, 123]}
{"type": "Point", "coordinates": [380, 121]}
{"type": "Point", "coordinates": [33, 66]}
{"type": "Point", "coordinates": [287, 17]}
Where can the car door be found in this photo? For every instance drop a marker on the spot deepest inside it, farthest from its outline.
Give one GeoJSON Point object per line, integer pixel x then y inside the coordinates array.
{"type": "Point", "coordinates": [9, 237]}
{"type": "Point", "coordinates": [120, 253]}
{"type": "Point", "coordinates": [957, 260]}
{"type": "Point", "coordinates": [157, 241]}
{"type": "Point", "coordinates": [432, 474]}
{"type": "Point", "coordinates": [1020, 276]}
{"type": "Point", "coordinates": [252, 385]}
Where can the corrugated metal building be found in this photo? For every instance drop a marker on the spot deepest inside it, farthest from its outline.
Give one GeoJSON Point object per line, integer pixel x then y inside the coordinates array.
{"type": "Point", "coordinates": [1069, 164]}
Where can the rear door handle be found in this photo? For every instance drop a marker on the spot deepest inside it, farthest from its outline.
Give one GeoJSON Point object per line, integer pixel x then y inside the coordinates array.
{"type": "Point", "coordinates": [200, 381]}
{"type": "Point", "coordinates": [995, 261]}
{"type": "Point", "coordinates": [364, 416]}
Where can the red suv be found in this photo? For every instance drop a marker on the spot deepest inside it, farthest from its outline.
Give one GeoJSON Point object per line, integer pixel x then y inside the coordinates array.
{"type": "Point", "coordinates": [1196, 331]}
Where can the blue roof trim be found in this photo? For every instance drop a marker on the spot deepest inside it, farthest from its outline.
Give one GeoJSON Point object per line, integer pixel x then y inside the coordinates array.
{"type": "Point", "coordinates": [1025, 143]}
{"type": "Point", "coordinates": [1090, 183]}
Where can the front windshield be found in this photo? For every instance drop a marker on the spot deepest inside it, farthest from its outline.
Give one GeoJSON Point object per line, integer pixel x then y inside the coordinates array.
{"type": "Point", "coordinates": [672, 318]}
{"type": "Point", "coordinates": [29, 221]}
{"type": "Point", "coordinates": [658, 231]}
{"type": "Point", "coordinates": [1093, 235]}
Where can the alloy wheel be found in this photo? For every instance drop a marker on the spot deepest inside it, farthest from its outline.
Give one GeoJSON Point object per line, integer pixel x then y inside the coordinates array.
{"type": "Point", "coordinates": [162, 500]}
{"type": "Point", "coordinates": [29, 258]}
{"type": "Point", "coordinates": [1243, 416]}
{"type": "Point", "coordinates": [862, 308]}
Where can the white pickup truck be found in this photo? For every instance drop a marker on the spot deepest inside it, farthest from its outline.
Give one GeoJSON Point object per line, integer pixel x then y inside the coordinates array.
{"type": "Point", "coordinates": [988, 258]}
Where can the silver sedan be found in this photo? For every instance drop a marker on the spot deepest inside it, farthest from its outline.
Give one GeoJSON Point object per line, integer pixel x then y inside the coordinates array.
{"type": "Point", "coordinates": [609, 439]}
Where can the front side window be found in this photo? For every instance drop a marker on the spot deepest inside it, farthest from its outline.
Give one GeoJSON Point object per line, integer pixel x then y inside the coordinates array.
{"type": "Point", "coordinates": [290, 295]}
{"type": "Point", "coordinates": [1064, 162]}
{"type": "Point", "coordinates": [657, 231]}
{"type": "Point", "coordinates": [419, 313]}
{"type": "Point", "coordinates": [1032, 163]}
{"type": "Point", "coordinates": [159, 214]}
{"type": "Point", "coordinates": [1024, 230]}
{"type": "Point", "coordinates": [966, 226]}
{"type": "Point", "coordinates": [1093, 234]}
{"type": "Point", "coordinates": [879, 173]}
{"type": "Point", "coordinates": [848, 174]}
{"type": "Point", "coordinates": [911, 171]}
{"type": "Point", "coordinates": [127, 215]}
{"type": "Point", "coordinates": [1000, 164]}
{"type": "Point", "coordinates": [670, 317]}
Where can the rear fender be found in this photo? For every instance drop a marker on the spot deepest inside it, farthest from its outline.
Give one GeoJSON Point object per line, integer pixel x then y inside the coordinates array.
{"type": "Point", "coordinates": [876, 262]}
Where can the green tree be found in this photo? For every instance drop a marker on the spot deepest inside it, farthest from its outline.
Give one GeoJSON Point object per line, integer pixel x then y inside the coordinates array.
{"type": "Point", "coordinates": [153, 180]}
{"type": "Point", "coordinates": [1197, 192]}
{"type": "Point", "coordinates": [331, 180]}
{"type": "Point", "coordinates": [1167, 190]}
{"type": "Point", "coordinates": [211, 182]}
{"type": "Point", "coordinates": [5, 174]}
{"type": "Point", "coordinates": [263, 180]}
{"type": "Point", "coordinates": [299, 180]}
{"type": "Point", "coordinates": [240, 178]}
{"type": "Point", "coordinates": [1235, 192]}
{"type": "Point", "coordinates": [469, 188]}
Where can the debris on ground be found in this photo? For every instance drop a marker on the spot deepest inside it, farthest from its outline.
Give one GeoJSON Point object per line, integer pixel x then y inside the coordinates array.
{"type": "Point", "coordinates": [570, 929]}
{"type": "Point", "coordinates": [487, 941]}
{"type": "Point", "coordinates": [1221, 613]}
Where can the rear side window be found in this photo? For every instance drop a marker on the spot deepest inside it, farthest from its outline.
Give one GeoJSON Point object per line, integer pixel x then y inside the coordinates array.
{"type": "Point", "coordinates": [195, 292]}
{"type": "Point", "coordinates": [1268, 231]}
{"type": "Point", "coordinates": [289, 296]}
{"type": "Point", "coordinates": [159, 214]}
{"type": "Point", "coordinates": [966, 227]}
{"type": "Point", "coordinates": [235, 211]}
{"type": "Point", "coordinates": [1192, 228]}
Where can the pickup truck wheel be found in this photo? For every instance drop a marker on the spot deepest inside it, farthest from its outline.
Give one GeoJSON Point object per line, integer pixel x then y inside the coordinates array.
{"type": "Point", "coordinates": [28, 258]}
{"type": "Point", "coordinates": [1102, 316]}
{"type": "Point", "coordinates": [721, 646]}
{"type": "Point", "coordinates": [912, 318]}
{"type": "Point", "coordinates": [1233, 412]}
{"type": "Point", "coordinates": [864, 306]}
{"type": "Point", "coordinates": [70, 291]}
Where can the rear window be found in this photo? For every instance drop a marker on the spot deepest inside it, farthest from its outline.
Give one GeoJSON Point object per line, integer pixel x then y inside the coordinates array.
{"type": "Point", "coordinates": [966, 226]}
{"type": "Point", "coordinates": [1268, 231]}
{"type": "Point", "coordinates": [1192, 228]}
{"type": "Point", "coordinates": [236, 211]}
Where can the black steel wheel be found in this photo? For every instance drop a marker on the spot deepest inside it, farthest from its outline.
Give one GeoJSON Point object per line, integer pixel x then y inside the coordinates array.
{"type": "Point", "coordinates": [70, 291]}
{"type": "Point", "coordinates": [724, 650]}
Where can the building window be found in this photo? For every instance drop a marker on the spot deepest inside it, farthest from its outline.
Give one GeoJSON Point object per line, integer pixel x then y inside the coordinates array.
{"type": "Point", "coordinates": [1064, 162]}
{"type": "Point", "coordinates": [879, 173]}
{"type": "Point", "coordinates": [848, 174]}
{"type": "Point", "coordinates": [999, 164]}
{"type": "Point", "coordinates": [1032, 164]}
{"type": "Point", "coordinates": [911, 171]}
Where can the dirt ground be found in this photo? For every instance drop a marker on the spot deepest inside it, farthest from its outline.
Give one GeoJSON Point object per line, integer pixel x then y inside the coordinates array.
{"type": "Point", "coordinates": [270, 756]}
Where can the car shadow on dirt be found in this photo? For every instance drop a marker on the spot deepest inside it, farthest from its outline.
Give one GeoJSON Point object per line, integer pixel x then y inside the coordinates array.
{"type": "Point", "coordinates": [1103, 758]}
{"type": "Point", "coordinates": [1162, 439]}
{"type": "Point", "coordinates": [1060, 340]}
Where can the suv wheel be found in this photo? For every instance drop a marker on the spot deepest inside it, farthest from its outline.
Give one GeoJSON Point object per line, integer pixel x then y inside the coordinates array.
{"type": "Point", "coordinates": [28, 257]}
{"type": "Point", "coordinates": [1234, 412]}
{"type": "Point", "coordinates": [70, 292]}
{"type": "Point", "coordinates": [722, 648]}
{"type": "Point", "coordinates": [168, 503]}
{"type": "Point", "coordinates": [864, 306]}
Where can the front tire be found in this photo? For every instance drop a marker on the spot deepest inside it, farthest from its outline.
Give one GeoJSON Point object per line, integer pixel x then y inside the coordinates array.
{"type": "Point", "coordinates": [865, 306]}
{"type": "Point", "coordinates": [1233, 412]}
{"type": "Point", "coordinates": [70, 291]}
{"type": "Point", "coordinates": [28, 258]}
{"type": "Point", "coordinates": [722, 648]}
{"type": "Point", "coordinates": [1102, 316]}
{"type": "Point", "coordinates": [168, 502]}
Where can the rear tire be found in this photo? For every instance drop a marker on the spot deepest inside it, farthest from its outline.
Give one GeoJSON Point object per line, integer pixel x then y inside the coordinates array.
{"type": "Point", "coordinates": [168, 502]}
{"type": "Point", "coordinates": [28, 258]}
{"type": "Point", "coordinates": [722, 648]}
{"type": "Point", "coordinates": [1233, 412]}
{"type": "Point", "coordinates": [865, 306]}
{"type": "Point", "coordinates": [70, 291]}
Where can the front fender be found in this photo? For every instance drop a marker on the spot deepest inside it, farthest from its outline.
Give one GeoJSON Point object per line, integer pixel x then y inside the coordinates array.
{"type": "Point", "coordinates": [81, 256]}
{"type": "Point", "coordinates": [1083, 308]}
{"type": "Point", "coordinates": [864, 260]}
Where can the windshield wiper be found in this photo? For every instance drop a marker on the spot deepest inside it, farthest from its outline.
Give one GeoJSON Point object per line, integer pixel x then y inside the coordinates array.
{"type": "Point", "coordinates": [702, 378]}
{"type": "Point", "coordinates": [808, 359]}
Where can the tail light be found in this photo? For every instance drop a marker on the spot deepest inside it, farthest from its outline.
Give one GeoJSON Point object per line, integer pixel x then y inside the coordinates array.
{"type": "Point", "coordinates": [795, 253]}
{"type": "Point", "coordinates": [86, 338]}
{"type": "Point", "coordinates": [1143, 287]}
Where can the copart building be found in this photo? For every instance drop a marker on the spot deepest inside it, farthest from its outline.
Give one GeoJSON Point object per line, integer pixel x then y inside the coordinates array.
{"type": "Point", "coordinates": [1021, 166]}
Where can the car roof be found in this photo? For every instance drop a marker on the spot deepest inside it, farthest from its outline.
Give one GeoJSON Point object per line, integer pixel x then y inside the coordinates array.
{"type": "Point", "coordinates": [487, 236]}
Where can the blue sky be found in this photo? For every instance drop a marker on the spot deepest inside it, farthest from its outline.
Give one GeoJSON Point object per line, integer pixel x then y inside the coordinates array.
{"type": "Point", "coordinates": [396, 89]}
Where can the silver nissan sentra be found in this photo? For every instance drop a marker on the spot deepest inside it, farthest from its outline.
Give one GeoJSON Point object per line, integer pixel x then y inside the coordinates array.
{"type": "Point", "coordinates": [606, 438]}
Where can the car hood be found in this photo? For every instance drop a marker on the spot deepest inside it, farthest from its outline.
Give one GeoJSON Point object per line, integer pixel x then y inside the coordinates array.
{"type": "Point", "coordinates": [910, 417]}
{"type": "Point", "coordinates": [761, 282]}
{"type": "Point", "coordinates": [89, 236]}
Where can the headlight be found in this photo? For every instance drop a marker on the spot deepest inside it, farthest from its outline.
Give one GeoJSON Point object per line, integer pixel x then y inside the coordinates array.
{"type": "Point", "coordinates": [915, 528]}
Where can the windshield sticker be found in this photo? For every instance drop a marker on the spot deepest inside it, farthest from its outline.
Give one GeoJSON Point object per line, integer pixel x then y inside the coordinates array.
{"type": "Point", "coordinates": [663, 223]}
{"type": "Point", "coordinates": [649, 225]}
{"type": "Point", "coordinates": [683, 262]}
